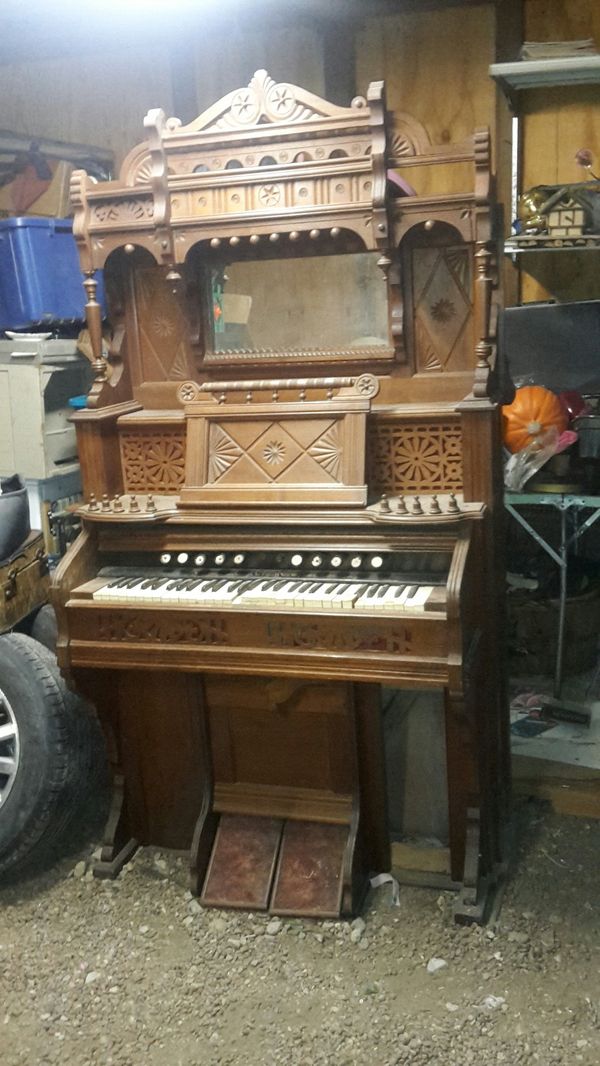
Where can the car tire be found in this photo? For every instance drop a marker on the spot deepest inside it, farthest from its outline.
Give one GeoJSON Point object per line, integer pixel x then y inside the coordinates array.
{"type": "Point", "coordinates": [44, 629]}
{"type": "Point", "coordinates": [52, 759]}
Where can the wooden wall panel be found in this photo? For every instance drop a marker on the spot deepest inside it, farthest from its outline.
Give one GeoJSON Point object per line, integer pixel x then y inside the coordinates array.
{"type": "Point", "coordinates": [98, 99]}
{"type": "Point", "coordinates": [562, 20]}
{"type": "Point", "coordinates": [293, 54]}
{"type": "Point", "coordinates": [556, 122]}
{"type": "Point", "coordinates": [435, 66]}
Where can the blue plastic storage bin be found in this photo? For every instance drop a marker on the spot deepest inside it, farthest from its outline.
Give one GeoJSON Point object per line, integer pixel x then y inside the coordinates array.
{"type": "Point", "coordinates": [41, 283]}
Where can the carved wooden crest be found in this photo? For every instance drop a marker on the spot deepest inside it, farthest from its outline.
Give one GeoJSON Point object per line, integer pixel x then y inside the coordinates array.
{"type": "Point", "coordinates": [265, 100]}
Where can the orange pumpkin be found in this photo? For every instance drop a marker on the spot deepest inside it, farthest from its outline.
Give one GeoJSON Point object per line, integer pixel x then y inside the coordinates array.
{"type": "Point", "coordinates": [533, 411]}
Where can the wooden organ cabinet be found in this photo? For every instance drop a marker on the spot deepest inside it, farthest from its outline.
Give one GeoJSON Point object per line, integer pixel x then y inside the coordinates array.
{"type": "Point", "coordinates": [291, 467]}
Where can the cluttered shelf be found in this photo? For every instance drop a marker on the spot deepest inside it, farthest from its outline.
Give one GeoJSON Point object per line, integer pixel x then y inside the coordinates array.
{"type": "Point", "coordinates": [538, 73]}
{"type": "Point", "coordinates": [542, 242]}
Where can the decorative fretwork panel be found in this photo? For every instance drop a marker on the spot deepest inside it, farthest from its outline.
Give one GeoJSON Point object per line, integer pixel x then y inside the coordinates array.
{"type": "Point", "coordinates": [411, 456]}
{"type": "Point", "coordinates": [442, 302]}
{"type": "Point", "coordinates": [153, 462]}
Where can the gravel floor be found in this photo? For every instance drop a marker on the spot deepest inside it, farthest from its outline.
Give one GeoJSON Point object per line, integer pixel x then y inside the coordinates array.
{"type": "Point", "coordinates": [135, 973]}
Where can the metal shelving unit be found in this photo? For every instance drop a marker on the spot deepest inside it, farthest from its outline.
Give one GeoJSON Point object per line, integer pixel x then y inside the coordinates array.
{"type": "Point", "coordinates": [536, 73]}
{"type": "Point", "coordinates": [566, 505]}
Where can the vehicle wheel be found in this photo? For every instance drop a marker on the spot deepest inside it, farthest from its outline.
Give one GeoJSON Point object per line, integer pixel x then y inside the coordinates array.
{"type": "Point", "coordinates": [51, 756]}
{"type": "Point", "coordinates": [44, 628]}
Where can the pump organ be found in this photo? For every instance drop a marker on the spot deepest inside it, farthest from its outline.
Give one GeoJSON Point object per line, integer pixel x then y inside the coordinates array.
{"type": "Point", "coordinates": [291, 466]}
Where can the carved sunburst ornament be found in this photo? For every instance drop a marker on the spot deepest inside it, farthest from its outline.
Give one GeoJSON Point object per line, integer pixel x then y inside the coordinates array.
{"type": "Point", "coordinates": [274, 453]}
{"type": "Point", "coordinates": [187, 392]}
{"type": "Point", "coordinates": [367, 385]}
{"type": "Point", "coordinates": [327, 451]}
{"type": "Point", "coordinates": [443, 310]}
{"type": "Point", "coordinates": [164, 462]}
{"type": "Point", "coordinates": [269, 195]}
{"type": "Point", "coordinates": [281, 100]}
{"type": "Point", "coordinates": [245, 105]}
{"type": "Point", "coordinates": [224, 452]}
{"type": "Point", "coordinates": [162, 325]}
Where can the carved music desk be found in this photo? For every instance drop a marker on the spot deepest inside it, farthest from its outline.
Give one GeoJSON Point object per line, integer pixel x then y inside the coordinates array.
{"type": "Point", "coordinates": [291, 461]}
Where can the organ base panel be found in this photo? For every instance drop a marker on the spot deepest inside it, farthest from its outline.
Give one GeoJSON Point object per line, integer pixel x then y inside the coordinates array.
{"type": "Point", "coordinates": [265, 545]}
{"type": "Point", "coordinates": [274, 656]}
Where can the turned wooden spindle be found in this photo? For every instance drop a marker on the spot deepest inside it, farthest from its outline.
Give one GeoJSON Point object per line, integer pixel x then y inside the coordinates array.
{"type": "Point", "coordinates": [484, 283]}
{"type": "Point", "coordinates": [93, 317]}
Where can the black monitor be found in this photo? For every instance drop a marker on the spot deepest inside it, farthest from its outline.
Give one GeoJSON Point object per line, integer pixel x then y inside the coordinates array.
{"type": "Point", "coordinates": [555, 345]}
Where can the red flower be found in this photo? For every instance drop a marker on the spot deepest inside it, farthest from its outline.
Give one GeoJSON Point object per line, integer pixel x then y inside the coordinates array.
{"type": "Point", "coordinates": [585, 159]}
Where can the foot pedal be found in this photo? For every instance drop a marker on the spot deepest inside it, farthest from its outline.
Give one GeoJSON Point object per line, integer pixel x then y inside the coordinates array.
{"type": "Point", "coordinates": [309, 880]}
{"type": "Point", "coordinates": [240, 871]}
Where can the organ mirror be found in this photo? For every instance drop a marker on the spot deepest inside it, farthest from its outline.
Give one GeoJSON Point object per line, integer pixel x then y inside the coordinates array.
{"type": "Point", "coordinates": [339, 309]}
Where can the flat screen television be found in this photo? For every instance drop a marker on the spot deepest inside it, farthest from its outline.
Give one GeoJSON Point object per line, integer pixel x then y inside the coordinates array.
{"type": "Point", "coordinates": [551, 344]}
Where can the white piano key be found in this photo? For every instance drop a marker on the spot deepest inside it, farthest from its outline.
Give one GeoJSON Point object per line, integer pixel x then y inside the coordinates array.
{"type": "Point", "coordinates": [419, 599]}
{"type": "Point", "coordinates": [284, 596]}
{"type": "Point", "coordinates": [369, 598]}
{"type": "Point", "coordinates": [344, 598]}
{"type": "Point", "coordinates": [118, 592]}
{"type": "Point", "coordinates": [169, 595]}
{"type": "Point", "coordinates": [257, 596]}
{"type": "Point", "coordinates": [134, 593]}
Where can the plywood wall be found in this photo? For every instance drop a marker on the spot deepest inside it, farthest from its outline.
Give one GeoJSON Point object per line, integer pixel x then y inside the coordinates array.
{"type": "Point", "coordinates": [98, 98]}
{"type": "Point", "coordinates": [562, 20]}
{"type": "Point", "coordinates": [293, 54]}
{"type": "Point", "coordinates": [435, 66]}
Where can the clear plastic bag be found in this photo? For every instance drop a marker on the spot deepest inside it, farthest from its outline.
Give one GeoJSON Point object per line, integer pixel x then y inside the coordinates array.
{"type": "Point", "coordinates": [519, 467]}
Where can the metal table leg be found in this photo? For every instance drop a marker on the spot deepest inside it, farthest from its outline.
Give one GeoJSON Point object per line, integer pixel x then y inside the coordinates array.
{"type": "Point", "coordinates": [562, 603]}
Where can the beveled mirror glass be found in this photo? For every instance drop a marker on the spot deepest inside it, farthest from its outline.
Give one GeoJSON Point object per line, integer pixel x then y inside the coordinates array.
{"type": "Point", "coordinates": [293, 307]}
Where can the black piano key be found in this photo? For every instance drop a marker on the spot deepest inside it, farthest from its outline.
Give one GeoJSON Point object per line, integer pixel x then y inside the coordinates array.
{"type": "Point", "coordinates": [398, 591]}
{"type": "Point", "coordinates": [245, 586]}
{"type": "Point", "coordinates": [371, 592]}
{"type": "Point", "coordinates": [381, 591]}
{"type": "Point", "coordinates": [304, 586]}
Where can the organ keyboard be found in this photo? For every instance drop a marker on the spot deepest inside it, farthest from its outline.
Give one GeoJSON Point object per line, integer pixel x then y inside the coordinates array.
{"type": "Point", "coordinates": [321, 587]}
{"type": "Point", "coordinates": [236, 598]}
